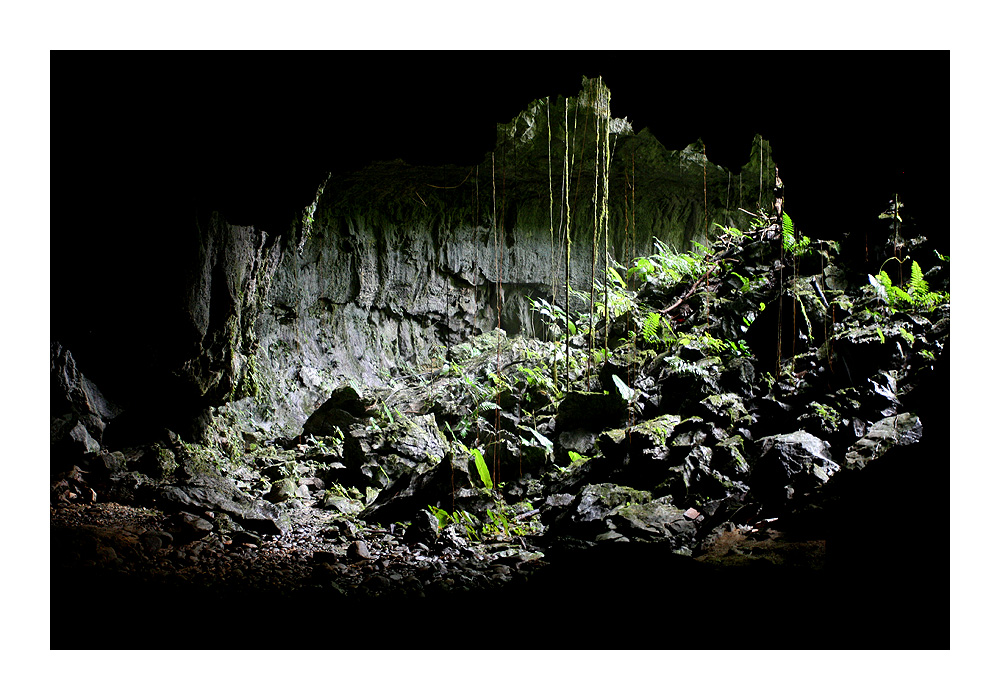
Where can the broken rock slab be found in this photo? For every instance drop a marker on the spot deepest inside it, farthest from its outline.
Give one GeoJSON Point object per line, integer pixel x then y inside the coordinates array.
{"type": "Point", "coordinates": [901, 429]}
{"type": "Point", "coordinates": [210, 492]}
{"type": "Point", "coordinates": [790, 467]}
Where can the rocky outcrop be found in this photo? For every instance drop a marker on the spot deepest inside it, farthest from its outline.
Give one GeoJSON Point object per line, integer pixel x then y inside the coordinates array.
{"type": "Point", "coordinates": [79, 411]}
{"type": "Point", "coordinates": [389, 267]}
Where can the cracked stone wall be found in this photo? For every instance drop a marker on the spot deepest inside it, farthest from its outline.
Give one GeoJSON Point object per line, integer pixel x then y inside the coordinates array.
{"type": "Point", "coordinates": [393, 264]}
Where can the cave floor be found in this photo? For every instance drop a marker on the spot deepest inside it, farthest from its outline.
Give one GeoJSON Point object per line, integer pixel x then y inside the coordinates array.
{"type": "Point", "coordinates": [118, 581]}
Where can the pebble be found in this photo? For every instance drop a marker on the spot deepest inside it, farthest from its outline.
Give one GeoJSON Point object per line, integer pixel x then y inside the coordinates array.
{"type": "Point", "coordinates": [151, 542]}
{"type": "Point", "coordinates": [358, 550]}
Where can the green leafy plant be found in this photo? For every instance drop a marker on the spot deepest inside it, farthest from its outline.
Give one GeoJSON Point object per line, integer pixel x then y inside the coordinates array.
{"type": "Point", "coordinates": [751, 316]}
{"type": "Point", "coordinates": [560, 324]}
{"type": "Point", "coordinates": [920, 291]}
{"type": "Point", "coordinates": [614, 291]}
{"type": "Point", "coordinates": [787, 230]}
{"type": "Point", "coordinates": [443, 516]}
{"type": "Point", "coordinates": [705, 340]}
{"type": "Point", "coordinates": [744, 281]}
{"type": "Point", "coordinates": [917, 294]}
{"type": "Point", "coordinates": [500, 523]}
{"type": "Point", "coordinates": [642, 269]}
{"type": "Point", "coordinates": [627, 393]}
{"type": "Point", "coordinates": [459, 517]}
{"type": "Point", "coordinates": [668, 265]}
{"type": "Point", "coordinates": [738, 348]}
{"type": "Point", "coordinates": [538, 380]}
{"type": "Point", "coordinates": [504, 522]}
{"type": "Point", "coordinates": [484, 472]}
{"type": "Point", "coordinates": [540, 440]}
{"type": "Point", "coordinates": [651, 328]}
{"type": "Point", "coordinates": [788, 240]}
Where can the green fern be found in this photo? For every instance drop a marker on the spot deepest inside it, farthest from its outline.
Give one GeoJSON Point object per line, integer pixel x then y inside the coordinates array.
{"type": "Point", "coordinates": [795, 247]}
{"type": "Point", "coordinates": [787, 231]}
{"type": "Point", "coordinates": [920, 291]}
{"type": "Point", "coordinates": [651, 328]}
{"type": "Point", "coordinates": [918, 285]}
{"type": "Point", "coordinates": [894, 294]}
{"type": "Point", "coordinates": [916, 294]}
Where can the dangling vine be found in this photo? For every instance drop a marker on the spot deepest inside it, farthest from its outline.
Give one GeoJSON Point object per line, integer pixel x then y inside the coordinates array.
{"type": "Point", "coordinates": [600, 102]}
{"type": "Point", "coordinates": [704, 184]}
{"type": "Point", "coordinates": [593, 265]}
{"type": "Point", "coordinates": [604, 210]}
{"type": "Point", "coordinates": [552, 240]}
{"type": "Point", "coordinates": [475, 271]}
{"type": "Point", "coordinates": [562, 200]}
{"type": "Point", "coordinates": [496, 259]}
{"type": "Point", "coordinates": [631, 375]}
{"type": "Point", "coordinates": [566, 172]}
{"type": "Point", "coordinates": [782, 217]}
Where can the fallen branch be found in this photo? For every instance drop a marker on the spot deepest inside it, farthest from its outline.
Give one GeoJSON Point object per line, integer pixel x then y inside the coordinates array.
{"type": "Point", "coordinates": [523, 516]}
{"type": "Point", "coordinates": [689, 292]}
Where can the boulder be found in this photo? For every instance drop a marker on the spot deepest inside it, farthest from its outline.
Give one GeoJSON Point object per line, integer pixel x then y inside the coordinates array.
{"type": "Point", "coordinates": [282, 490]}
{"type": "Point", "coordinates": [882, 393]}
{"type": "Point", "coordinates": [682, 383]}
{"type": "Point", "coordinates": [726, 411]}
{"type": "Point", "coordinates": [585, 514]}
{"type": "Point", "coordinates": [72, 393]}
{"type": "Point", "coordinates": [669, 456]}
{"type": "Point", "coordinates": [613, 512]}
{"type": "Point", "coordinates": [902, 429]}
{"type": "Point", "coordinates": [656, 521]}
{"type": "Point", "coordinates": [79, 411]}
{"type": "Point", "coordinates": [790, 467]}
{"type": "Point", "coordinates": [188, 527]}
{"type": "Point", "coordinates": [580, 441]}
{"type": "Point", "coordinates": [337, 414]}
{"type": "Point", "coordinates": [739, 376]}
{"type": "Point", "coordinates": [653, 436]}
{"type": "Point", "coordinates": [213, 492]}
{"type": "Point", "coordinates": [410, 493]}
{"type": "Point", "coordinates": [343, 504]}
{"type": "Point", "coordinates": [412, 442]}
{"type": "Point", "coordinates": [80, 441]}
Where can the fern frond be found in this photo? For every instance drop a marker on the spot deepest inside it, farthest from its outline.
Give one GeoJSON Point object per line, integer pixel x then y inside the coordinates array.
{"type": "Point", "coordinates": [918, 287]}
{"type": "Point", "coordinates": [787, 231]}
{"type": "Point", "coordinates": [893, 294]}
{"type": "Point", "coordinates": [651, 328]}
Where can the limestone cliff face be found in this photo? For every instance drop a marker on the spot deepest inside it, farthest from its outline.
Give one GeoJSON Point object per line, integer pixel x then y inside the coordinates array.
{"type": "Point", "coordinates": [395, 263]}
{"type": "Point", "coordinates": [390, 266]}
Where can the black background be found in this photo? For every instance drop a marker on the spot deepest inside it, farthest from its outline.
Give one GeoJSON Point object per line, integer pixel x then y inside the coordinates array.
{"type": "Point", "coordinates": [138, 137]}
